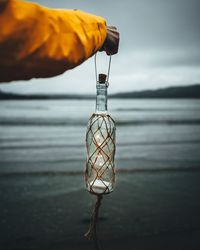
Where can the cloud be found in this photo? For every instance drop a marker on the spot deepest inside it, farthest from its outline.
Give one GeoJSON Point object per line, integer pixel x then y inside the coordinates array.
{"type": "Point", "coordinates": [146, 69]}
{"type": "Point", "coordinates": [160, 46]}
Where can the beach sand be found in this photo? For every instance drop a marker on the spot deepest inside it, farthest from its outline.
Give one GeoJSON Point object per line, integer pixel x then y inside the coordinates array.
{"type": "Point", "coordinates": [147, 210]}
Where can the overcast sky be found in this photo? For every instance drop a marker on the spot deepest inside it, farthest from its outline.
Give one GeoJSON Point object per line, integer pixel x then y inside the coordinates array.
{"type": "Point", "coordinates": [160, 46]}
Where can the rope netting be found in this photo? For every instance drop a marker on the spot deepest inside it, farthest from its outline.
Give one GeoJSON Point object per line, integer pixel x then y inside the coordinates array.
{"type": "Point", "coordinates": [100, 142]}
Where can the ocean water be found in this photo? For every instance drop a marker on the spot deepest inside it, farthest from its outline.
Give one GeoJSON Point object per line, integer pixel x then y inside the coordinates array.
{"type": "Point", "coordinates": [156, 193]}
{"type": "Point", "coordinates": [49, 135]}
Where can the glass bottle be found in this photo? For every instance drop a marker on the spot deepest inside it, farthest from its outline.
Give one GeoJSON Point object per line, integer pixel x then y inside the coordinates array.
{"type": "Point", "coordinates": [100, 144]}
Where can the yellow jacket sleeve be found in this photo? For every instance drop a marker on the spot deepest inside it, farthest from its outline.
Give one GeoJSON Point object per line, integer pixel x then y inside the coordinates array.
{"type": "Point", "coordinates": [36, 41]}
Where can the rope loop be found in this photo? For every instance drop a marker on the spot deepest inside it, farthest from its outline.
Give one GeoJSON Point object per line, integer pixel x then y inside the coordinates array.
{"type": "Point", "coordinates": [108, 73]}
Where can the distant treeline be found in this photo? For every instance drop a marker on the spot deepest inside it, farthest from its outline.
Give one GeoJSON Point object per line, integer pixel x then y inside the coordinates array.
{"type": "Point", "coordinates": [14, 96]}
{"type": "Point", "coordinates": [190, 91]}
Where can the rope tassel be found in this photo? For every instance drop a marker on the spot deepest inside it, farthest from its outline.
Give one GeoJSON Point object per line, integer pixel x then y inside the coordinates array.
{"type": "Point", "coordinates": [92, 231]}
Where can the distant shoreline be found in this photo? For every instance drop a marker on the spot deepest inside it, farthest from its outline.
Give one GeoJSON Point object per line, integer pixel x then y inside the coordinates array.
{"type": "Point", "coordinates": [189, 91]}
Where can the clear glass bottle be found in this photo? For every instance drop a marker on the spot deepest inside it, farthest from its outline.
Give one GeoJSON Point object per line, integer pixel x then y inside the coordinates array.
{"type": "Point", "coordinates": [100, 143]}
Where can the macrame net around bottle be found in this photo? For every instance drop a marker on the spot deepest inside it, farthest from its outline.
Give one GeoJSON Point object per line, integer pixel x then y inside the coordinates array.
{"type": "Point", "coordinates": [100, 143]}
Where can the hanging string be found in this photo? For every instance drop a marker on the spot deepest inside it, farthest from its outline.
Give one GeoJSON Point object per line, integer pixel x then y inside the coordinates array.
{"type": "Point", "coordinates": [109, 69]}
{"type": "Point", "coordinates": [96, 73]}
{"type": "Point", "coordinates": [92, 231]}
{"type": "Point", "coordinates": [95, 64]}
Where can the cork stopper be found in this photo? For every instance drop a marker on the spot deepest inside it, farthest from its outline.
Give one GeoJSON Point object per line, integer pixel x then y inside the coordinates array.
{"type": "Point", "coordinates": [102, 78]}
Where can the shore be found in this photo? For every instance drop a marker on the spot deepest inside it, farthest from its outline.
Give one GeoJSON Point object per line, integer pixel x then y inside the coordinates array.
{"type": "Point", "coordinates": [158, 210]}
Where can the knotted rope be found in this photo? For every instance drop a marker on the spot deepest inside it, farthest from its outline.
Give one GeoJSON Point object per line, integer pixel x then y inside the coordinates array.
{"type": "Point", "coordinates": [92, 231]}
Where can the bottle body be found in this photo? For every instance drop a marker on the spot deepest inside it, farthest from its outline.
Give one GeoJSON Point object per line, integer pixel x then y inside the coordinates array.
{"type": "Point", "coordinates": [100, 144]}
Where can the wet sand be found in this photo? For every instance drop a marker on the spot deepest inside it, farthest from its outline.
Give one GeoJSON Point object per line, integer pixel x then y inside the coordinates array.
{"type": "Point", "coordinates": [147, 210]}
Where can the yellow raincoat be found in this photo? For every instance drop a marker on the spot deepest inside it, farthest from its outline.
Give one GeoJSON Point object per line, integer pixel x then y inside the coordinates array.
{"type": "Point", "coordinates": [36, 41]}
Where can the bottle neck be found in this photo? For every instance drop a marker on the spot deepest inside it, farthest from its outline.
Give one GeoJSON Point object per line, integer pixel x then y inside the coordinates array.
{"type": "Point", "coordinates": [101, 98]}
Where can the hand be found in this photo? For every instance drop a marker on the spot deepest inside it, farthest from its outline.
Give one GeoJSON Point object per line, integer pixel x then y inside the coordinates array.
{"type": "Point", "coordinates": [111, 43]}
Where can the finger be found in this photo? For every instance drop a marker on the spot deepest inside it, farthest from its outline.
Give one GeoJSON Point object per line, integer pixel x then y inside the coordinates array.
{"type": "Point", "coordinates": [111, 28]}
